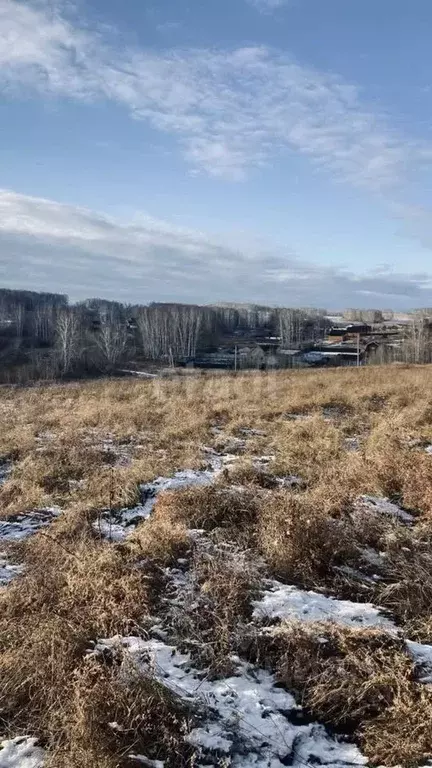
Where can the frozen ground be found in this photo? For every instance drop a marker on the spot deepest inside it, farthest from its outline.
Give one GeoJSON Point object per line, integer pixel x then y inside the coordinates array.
{"type": "Point", "coordinates": [21, 752]}
{"type": "Point", "coordinates": [383, 506]}
{"type": "Point", "coordinates": [422, 656]}
{"type": "Point", "coordinates": [5, 470]}
{"type": "Point", "coordinates": [284, 601]}
{"type": "Point", "coordinates": [22, 526]}
{"type": "Point", "coordinates": [246, 716]}
{"type": "Point", "coordinates": [18, 529]}
{"type": "Point", "coordinates": [8, 570]}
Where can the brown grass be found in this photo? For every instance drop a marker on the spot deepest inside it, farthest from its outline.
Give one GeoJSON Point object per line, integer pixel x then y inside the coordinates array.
{"type": "Point", "coordinates": [88, 446]}
{"type": "Point", "coordinates": [211, 621]}
{"type": "Point", "coordinates": [76, 588]}
{"type": "Point", "coordinates": [361, 681]}
{"type": "Point", "coordinates": [106, 720]}
{"type": "Point", "coordinates": [213, 507]}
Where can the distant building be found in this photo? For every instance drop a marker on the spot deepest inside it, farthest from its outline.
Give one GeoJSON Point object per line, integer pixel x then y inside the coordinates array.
{"type": "Point", "coordinates": [347, 333]}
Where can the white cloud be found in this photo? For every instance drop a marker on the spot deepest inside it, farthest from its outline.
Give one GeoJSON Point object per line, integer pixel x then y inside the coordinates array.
{"type": "Point", "coordinates": [266, 6]}
{"type": "Point", "coordinates": [231, 111]}
{"type": "Point", "coordinates": [45, 245]}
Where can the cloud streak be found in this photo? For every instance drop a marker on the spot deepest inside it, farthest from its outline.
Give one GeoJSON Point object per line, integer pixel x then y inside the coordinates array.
{"type": "Point", "coordinates": [230, 110]}
{"type": "Point", "coordinates": [267, 6]}
{"type": "Point", "coordinates": [51, 246]}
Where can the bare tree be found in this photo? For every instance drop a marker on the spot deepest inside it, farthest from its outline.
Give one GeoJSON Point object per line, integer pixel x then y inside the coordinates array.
{"type": "Point", "coordinates": [112, 339]}
{"type": "Point", "coordinates": [44, 323]}
{"type": "Point", "coordinates": [68, 338]}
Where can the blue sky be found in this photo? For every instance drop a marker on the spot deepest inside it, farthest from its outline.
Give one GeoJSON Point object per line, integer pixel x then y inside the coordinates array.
{"type": "Point", "coordinates": [273, 151]}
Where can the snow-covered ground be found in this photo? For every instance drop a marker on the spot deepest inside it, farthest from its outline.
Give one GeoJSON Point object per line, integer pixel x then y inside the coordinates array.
{"type": "Point", "coordinates": [5, 471]}
{"type": "Point", "coordinates": [383, 506]}
{"type": "Point", "coordinates": [118, 525]}
{"type": "Point", "coordinates": [284, 601]}
{"type": "Point", "coordinates": [23, 526]}
{"type": "Point", "coordinates": [8, 570]}
{"type": "Point", "coordinates": [21, 752]}
{"type": "Point", "coordinates": [18, 529]}
{"type": "Point", "coordinates": [422, 657]}
{"type": "Point", "coordinates": [247, 717]}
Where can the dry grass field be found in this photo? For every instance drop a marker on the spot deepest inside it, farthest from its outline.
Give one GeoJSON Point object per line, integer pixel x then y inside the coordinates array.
{"type": "Point", "coordinates": [285, 578]}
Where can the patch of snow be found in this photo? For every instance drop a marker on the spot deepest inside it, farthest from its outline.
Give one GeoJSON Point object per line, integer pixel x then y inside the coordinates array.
{"type": "Point", "coordinates": [117, 525]}
{"type": "Point", "coordinates": [209, 738]}
{"type": "Point", "coordinates": [19, 529]}
{"type": "Point", "coordinates": [147, 762]}
{"type": "Point", "coordinates": [23, 526]}
{"type": "Point", "coordinates": [45, 436]}
{"type": "Point", "coordinates": [372, 557]}
{"type": "Point", "coordinates": [246, 716]}
{"type": "Point", "coordinates": [422, 656]}
{"type": "Point", "coordinates": [76, 485]}
{"type": "Point", "coordinates": [283, 601]}
{"type": "Point", "coordinates": [415, 442]}
{"type": "Point", "coordinates": [142, 374]}
{"type": "Point", "coordinates": [264, 459]}
{"type": "Point", "coordinates": [8, 570]}
{"type": "Point", "coordinates": [5, 471]}
{"type": "Point", "coordinates": [21, 752]}
{"type": "Point", "coordinates": [384, 506]}
{"type": "Point", "coordinates": [186, 478]}
{"type": "Point", "coordinates": [429, 449]}
{"type": "Point", "coordinates": [216, 429]}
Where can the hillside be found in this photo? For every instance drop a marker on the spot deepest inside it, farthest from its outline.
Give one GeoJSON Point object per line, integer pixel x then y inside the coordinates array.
{"type": "Point", "coordinates": [217, 571]}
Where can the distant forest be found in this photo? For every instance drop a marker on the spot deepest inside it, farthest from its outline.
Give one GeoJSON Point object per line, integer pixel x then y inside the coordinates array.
{"type": "Point", "coordinates": [43, 336]}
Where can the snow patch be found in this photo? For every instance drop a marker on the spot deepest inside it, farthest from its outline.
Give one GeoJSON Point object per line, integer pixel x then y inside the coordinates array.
{"type": "Point", "coordinates": [21, 752]}
{"type": "Point", "coordinates": [282, 601]}
{"type": "Point", "coordinates": [19, 529]}
{"type": "Point", "coordinates": [422, 656]}
{"type": "Point", "coordinates": [246, 716]}
{"type": "Point", "coordinates": [8, 570]}
{"type": "Point", "coordinates": [383, 506]}
{"type": "Point", "coordinates": [117, 525]}
{"type": "Point", "coordinates": [5, 471]}
{"type": "Point", "coordinates": [23, 526]}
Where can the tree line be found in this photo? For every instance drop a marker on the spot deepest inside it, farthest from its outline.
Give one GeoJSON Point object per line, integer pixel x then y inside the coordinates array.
{"type": "Point", "coordinates": [44, 336]}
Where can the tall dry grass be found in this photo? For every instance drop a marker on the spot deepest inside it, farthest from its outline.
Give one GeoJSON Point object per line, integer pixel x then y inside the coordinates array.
{"type": "Point", "coordinates": [88, 446]}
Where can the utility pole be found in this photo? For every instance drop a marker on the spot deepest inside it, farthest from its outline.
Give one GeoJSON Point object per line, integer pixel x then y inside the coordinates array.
{"type": "Point", "coordinates": [235, 357]}
{"type": "Point", "coordinates": [358, 350]}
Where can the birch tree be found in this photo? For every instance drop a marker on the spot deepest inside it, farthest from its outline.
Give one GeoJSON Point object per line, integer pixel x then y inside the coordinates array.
{"type": "Point", "coordinates": [112, 340]}
{"type": "Point", "coordinates": [68, 338]}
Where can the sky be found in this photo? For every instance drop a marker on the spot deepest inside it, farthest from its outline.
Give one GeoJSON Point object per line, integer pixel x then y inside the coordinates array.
{"type": "Point", "coordinates": [269, 151]}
